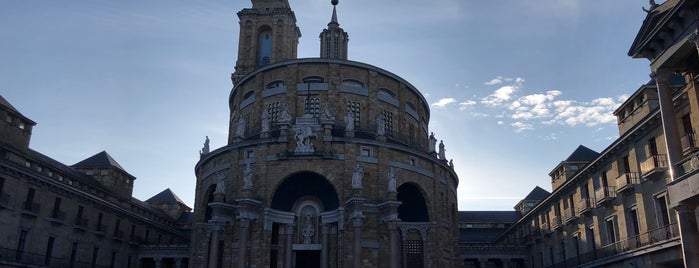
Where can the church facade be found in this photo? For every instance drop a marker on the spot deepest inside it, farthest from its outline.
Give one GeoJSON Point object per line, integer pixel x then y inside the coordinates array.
{"type": "Point", "coordinates": [329, 162]}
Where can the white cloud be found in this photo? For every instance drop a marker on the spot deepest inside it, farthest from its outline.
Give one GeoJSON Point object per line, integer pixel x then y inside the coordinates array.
{"type": "Point", "coordinates": [444, 102]}
{"type": "Point", "coordinates": [494, 81]}
{"type": "Point", "coordinates": [466, 104]}
{"type": "Point", "coordinates": [519, 126]}
{"type": "Point", "coordinates": [503, 94]}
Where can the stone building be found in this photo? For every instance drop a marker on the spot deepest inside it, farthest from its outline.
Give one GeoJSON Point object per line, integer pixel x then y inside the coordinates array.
{"type": "Point", "coordinates": [633, 204]}
{"type": "Point", "coordinates": [329, 162]}
{"type": "Point", "coordinates": [55, 215]}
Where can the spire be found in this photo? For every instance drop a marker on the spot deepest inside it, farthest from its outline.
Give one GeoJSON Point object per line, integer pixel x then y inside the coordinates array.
{"type": "Point", "coordinates": [334, 17]}
{"type": "Point", "coordinates": [333, 40]}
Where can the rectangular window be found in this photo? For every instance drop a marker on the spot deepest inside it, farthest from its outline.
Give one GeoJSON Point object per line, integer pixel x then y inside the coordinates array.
{"type": "Point", "coordinates": [116, 228]}
{"type": "Point", "coordinates": [95, 250]}
{"type": "Point", "coordinates": [662, 211]}
{"type": "Point", "coordinates": [633, 218]}
{"type": "Point", "coordinates": [79, 216]}
{"type": "Point", "coordinates": [20, 244]}
{"type": "Point", "coordinates": [133, 231]}
{"type": "Point", "coordinates": [652, 147]}
{"type": "Point", "coordinates": [611, 231]}
{"type": "Point", "coordinates": [49, 250]}
{"type": "Point", "coordinates": [100, 228]}
{"type": "Point", "coordinates": [29, 201]}
{"type": "Point", "coordinates": [112, 262]}
{"type": "Point", "coordinates": [74, 254]}
{"type": "Point", "coordinates": [365, 151]}
{"type": "Point", "coordinates": [250, 154]}
{"type": "Point", "coordinates": [56, 208]}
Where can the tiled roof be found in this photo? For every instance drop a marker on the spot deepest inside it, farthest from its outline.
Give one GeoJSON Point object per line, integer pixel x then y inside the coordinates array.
{"type": "Point", "coordinates": [537, 194]}
{"type": "Point", "coordinates": [100, 160]}
{"type": "Point", "coordinates": [166, 196]}
{"type": "Point", "coordinates": [8, 106]}
{"type": "Point", "coordinates": [488, 216]}
{"type": "Point", "coordinates": [582, 154]}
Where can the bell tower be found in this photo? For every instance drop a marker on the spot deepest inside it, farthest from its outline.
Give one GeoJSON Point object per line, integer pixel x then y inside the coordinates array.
{"type": "Point", "coordinates": [333, 40]}
{"type": "Point", "coordinates": [268, 34]}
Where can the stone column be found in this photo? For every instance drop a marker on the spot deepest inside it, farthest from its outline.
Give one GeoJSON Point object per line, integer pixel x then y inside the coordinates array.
{"type": "Point", "coordinates": [213, 247]}
{"type": "Point", "coordinates": [324, 250]}
{"type": "Point", "coordinates": [393, 245]}
{"type": "Point", "coordinates": [667, 113]}
{"type": "Point", "coordinates": [689, 233]}
{"type": "Point", "coordinates": [288, 253]}
{"type": "Point", "coordinates": [243, 249]}
{"type": "Point", "coordinates": [357, 248]}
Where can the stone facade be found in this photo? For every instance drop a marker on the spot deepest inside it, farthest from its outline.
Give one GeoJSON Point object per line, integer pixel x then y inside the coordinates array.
{"type": "Point", "coordinates": [54, 215]}
{"type": "Point", "coordinates": [633, 204]}
{"type": "Point", "coordinates": [328, 164]}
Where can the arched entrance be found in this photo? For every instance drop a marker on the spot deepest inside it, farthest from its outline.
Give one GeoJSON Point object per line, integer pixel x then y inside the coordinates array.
{"type": "Point", "coordinates": [415, 221]}
{"type": "Point", "coordinates": [304, 215]}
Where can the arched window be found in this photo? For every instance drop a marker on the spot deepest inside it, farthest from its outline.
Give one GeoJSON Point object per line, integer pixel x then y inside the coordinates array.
{"type": "Point", "coordinates": [352, 82]}
{"type": "Point", "coordinates": [264, 47]}
{"type": "Point", "coordinates": [312, 106]}
{"type": "Point", "coordinates": [274, 84]}
{"type": "Point", "coordinates": [313, 79]}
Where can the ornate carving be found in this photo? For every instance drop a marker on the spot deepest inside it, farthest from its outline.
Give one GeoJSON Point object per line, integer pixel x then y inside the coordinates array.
{"type": "Point", "coordinates": [303, 139]}
{"type": "Point", "coordinates": [392, 181]}
{"type": "Point", "coordinates": [247, 177]}
{"type": "Point", "coordinates": [357, 176]}
{"type": "Point", "coordinates": [220, 184]}
{"type": "Point", "coordinates": [349, 121]}
{"type": "Point", "coordinates": [265, 121]}
{"type": "Point", "coordinates": [205, 149]}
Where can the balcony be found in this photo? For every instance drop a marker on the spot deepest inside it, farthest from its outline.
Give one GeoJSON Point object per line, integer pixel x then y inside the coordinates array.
{"type": "Point", "coordinates": [688, 142]}
{"type": "Point", "coordinates": [654, 167]}
{"type": "Point", "coordinates": [585, 205]}
{"type": "Point", "coordinates": [31, 209]}
{"type": "Point", "coordinates": [80, 224]}
{"type": "Point", "coordinates": [556, 222]}
{"type": "Point", "coordinates": [545, 229]}
{"type": "Point", "coordinates": [605, 194]}
{"type": "Point", "coordinates": [58, 217]}
{"type": "Point", "coordinates": [569, 215]}
{"type": "Point", "coordinates": [627, 181]}
{"type": "Point", "coordinates": [118, 235]}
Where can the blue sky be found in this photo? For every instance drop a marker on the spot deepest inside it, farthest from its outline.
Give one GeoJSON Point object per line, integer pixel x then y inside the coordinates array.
{"type": "Point", "coordinates": [514, 85]}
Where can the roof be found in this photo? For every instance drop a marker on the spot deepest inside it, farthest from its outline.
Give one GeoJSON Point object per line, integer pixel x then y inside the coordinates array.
{"type": "Point", "coordinates": [6, 104]}
{"type": "Point", "coordinates": [488, 216]}
{"type": "Point", "coordinates": [166, 196]}
{"type": "Point", "coordinates": [186, 218]}
{"type": "Point", "coordinates": [537, 194]}
{"type": "Point", "coordinates": [479, 235]}
{"type": "Point", "coordinates": [100, 160]}
{"type": "Point", "coordinates": [655, 18]}
{"type": "Point", "coordinates": [582, 154]}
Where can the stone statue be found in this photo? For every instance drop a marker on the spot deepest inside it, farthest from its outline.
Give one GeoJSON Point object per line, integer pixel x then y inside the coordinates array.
{"type": "Point", "coordinates": [432, 143]}
{"type": "Point", "coordinates": [381, 126]}
{"type": "Point", "coordinates": [220, 184]}
{"type": "Point", "coordinates": [303, 139]}
{"type": "Point", "coordinates": [451, 163]}
{"type": "Point", "coordinates": [205, 149]}
{"type": "Point", "coordinates": [240, 129]}
{"type": "Point", "coordinates": [308, 231]}
{"type": "Point", "coordinates": [327, 114]}
{"type": "Point", "coordinates": [442, 150]}
{"type": "Point", "coordinates": [247, 178]}
{"type": "Point", "coordinates": [357, 177]}
{"type": "Point", "coordinates": [265, 121]}
{"type": "Point", "coordinates": [349, 121]}
{"type": "Point", "coordinates": [284, 115]}
{"type": "Point", "coordinates": [392, 181]}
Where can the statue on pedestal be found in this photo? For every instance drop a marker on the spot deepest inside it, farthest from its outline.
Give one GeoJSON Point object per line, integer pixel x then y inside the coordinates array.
{"type": "Point", "coordinates": [357, 177]}
{"type": "Point", "coordinates": [349, 121]}
{"type": "Point", "coordinates": [247, 178]}
{"type": "Point", "coordinates": [392, 181]}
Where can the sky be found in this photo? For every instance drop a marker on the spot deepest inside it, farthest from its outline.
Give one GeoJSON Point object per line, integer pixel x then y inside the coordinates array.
{"type": "Point", "coordinates": [514, 86]}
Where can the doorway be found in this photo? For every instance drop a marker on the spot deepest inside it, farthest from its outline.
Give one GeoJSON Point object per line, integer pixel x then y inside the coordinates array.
{"type": "Point", "coordinates": [307, 259]}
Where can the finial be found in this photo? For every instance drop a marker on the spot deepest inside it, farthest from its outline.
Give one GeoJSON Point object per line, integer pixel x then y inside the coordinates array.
{"type": "Point", "coordinates": [334, 2]}
{"type": "Point", "coordinates": [333, 20]}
